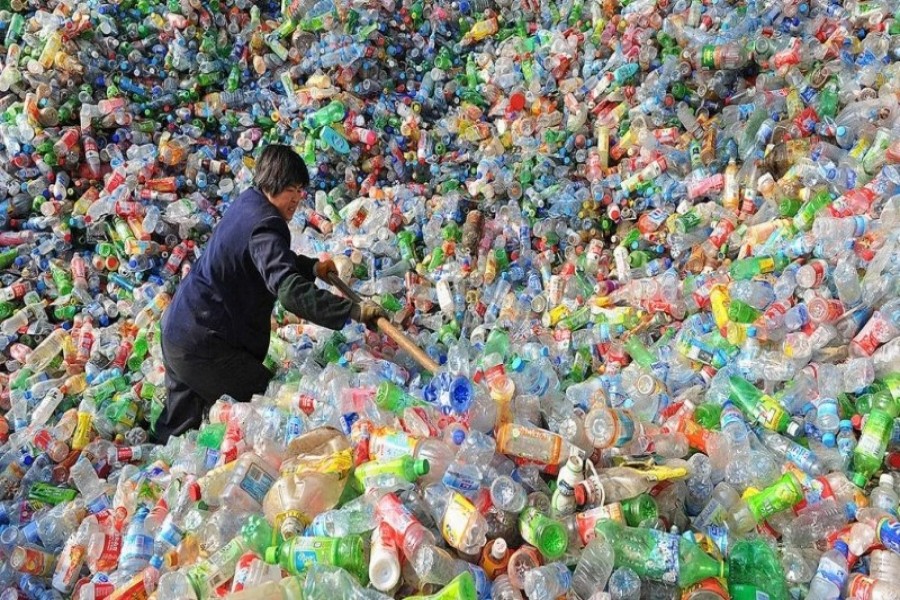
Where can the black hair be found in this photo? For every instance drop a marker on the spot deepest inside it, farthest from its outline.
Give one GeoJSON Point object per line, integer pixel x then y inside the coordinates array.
{"type": "Point", "coordinates": [279, 168]}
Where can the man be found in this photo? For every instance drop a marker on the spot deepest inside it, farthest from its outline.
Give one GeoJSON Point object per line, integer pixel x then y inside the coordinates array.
{"type": "Point", "coordinates": [215, 334]}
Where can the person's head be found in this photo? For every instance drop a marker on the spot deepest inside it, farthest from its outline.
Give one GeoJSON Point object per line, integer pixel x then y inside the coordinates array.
{"type": "Point", "coordinates": [282, 177]}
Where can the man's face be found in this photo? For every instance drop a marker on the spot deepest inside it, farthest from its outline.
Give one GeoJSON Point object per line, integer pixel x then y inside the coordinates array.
{"type": "Point", "coordinates": [288, 200]}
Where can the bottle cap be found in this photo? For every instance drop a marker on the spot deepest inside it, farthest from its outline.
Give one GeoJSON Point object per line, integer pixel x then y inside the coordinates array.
{"type": "Point", "coordinates": [421, 467]}
{"type": "Point", "coordinates": [553, 540]}
{"type": "Point", "coordinates": [580, 494]}
{"type": "Point", "coordinates": [272, 555]}
{"type": "Point", "coordinates": [841, 546]}
{"type": "Point", "coordinates": [458, 436]}
{"type": "Point", "coordinates": [382, 394]}
{"type": "Point", "coordinates": [499, 548]}
{"type": "Point", "coordinates": [461, 394]}
{"type": "Point", "coordinates": [886, 480]}
{"type": "Point", "coordinates": [893, 460]}
{"type": "Point", "coordinates": [384, 570]}
{"type": "Point", "coordinates": [859, 479]}
{"type": "Point", "coordinates": [828, 439]}
{"type": "Point", "coordinates": [793, 429]}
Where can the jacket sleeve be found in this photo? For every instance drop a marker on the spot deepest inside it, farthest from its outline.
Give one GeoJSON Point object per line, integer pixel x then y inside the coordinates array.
{"type": "Point", "coordinates": [305, 265]}
{"type": "Point", "coordinates": [272, 255]}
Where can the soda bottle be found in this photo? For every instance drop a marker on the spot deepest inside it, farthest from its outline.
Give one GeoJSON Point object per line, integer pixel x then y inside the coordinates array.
{"type": "Point", "coordinates": [659, 556]}
{"type": "Point", "coordinates": [295, 555]}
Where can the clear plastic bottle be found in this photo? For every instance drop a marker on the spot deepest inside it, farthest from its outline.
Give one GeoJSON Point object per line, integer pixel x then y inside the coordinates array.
{"type": "Point", "coordinates": [884, 496]}
{"type": "Point", "coordinates": [831, 574]}
{"type": "Point", "coordinates": [884, 565]}
{"type": "Point", "coordinates": [861, 587]}
{"type": "Point", "coordinates": [504, 590]}
{"type": "Point", "coordinates": [249, 483]}
{"type": "Point", "coordinates": [137, 544]}
{"type": "Point", "coordinates": [593, 570]}
{"type": "Point", "coordinates": [548, 582]}
{"type": "Point", "coordinates": [462, 525]}
{"type": "Point", "coordinates": [624, 584]}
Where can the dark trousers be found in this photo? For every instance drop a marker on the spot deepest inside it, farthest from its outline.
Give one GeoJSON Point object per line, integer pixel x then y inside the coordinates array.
{"type": "Point", "coordinates": [195, 382]}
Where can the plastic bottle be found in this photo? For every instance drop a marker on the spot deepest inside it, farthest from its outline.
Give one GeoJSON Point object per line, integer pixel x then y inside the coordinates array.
{"type": "Point", "coordinates": [594, 568]}
{"type": "Point", "coordinates": [831, 574]}
{"type": "Point", "coordinates": [653, 553]}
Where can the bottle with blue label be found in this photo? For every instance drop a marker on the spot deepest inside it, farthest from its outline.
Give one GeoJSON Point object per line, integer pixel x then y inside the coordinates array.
{"type": "Point", "coordinates": [249, 483]}
{"type": "Point", "coordinates": [660, 556]}
{"type": "Point", "coordinates": [137, 545]}
{"type": "Point", "coordinates": [831, 574]}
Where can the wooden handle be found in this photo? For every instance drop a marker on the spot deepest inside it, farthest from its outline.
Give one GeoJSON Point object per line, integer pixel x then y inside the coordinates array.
{"type": "Point", "coordinates": [402, 340]}
{"type": "Point", "coordinates": [389, 329]}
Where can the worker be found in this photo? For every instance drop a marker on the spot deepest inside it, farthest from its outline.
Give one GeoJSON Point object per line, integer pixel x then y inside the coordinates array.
{"type": "Point", "coordinates": [215, 333]}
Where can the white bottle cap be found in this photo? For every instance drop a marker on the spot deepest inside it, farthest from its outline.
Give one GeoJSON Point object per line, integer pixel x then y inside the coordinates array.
{"type": "Point", "coordinates": [384, 569]}
{"type": "Point", "coordinates": [499, 548]}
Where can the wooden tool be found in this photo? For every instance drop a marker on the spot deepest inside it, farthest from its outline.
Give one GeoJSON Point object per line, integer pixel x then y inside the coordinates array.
{"type": "Point", "coordinates": [388, 328]}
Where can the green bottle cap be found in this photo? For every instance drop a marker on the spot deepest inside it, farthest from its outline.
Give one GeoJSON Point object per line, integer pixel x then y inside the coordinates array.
{"type": "Point", "coordinates": [383, 395]}
{"type": "Point", "coordinates": [552, 540]}
{"type": "Point", "coordinates": [859, 480]}
{"type": "Point", "coordinates": [272, 555]}
{"type": "Point", "coordinates": [421, 467]}
{"type": "Point", "coordinates": [640, 510]}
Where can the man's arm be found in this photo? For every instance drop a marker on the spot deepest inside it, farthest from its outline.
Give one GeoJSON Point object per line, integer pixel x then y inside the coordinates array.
{"type": "Point", "coordinates": [306, 266]}
{"type": "Point", "coordinates": [271, 253]}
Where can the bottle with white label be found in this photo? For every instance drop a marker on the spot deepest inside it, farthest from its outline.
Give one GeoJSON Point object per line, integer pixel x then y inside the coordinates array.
{"type": "Point", "coordinates": [249, 483]}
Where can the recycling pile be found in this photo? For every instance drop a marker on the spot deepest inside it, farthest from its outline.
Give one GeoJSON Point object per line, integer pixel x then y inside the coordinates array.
{"type": "Point", "coordinates": [653, 245]}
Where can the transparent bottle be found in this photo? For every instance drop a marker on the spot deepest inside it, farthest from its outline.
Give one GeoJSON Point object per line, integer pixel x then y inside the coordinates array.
{"type": "Point", "coordinates": [593, 570]}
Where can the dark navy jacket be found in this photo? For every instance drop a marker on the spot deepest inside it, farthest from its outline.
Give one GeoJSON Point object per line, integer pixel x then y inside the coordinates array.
{"type": "Point", "coordinates": [227, 298]}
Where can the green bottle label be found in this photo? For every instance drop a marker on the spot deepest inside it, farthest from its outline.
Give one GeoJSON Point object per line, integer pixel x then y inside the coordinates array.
{"type": "Point", "coordinates": [48, 494]}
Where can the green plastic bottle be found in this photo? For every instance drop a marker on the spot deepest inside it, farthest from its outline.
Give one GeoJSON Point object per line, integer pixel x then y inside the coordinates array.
{"type": "Point", "coordinates": [741, 312]}
{"type": "Point", "coordinates": [748, 268]}
{"type": "Point", "coordinates": [757, 406]}
{"type": "Point", "coordinates": [781, 495]}
{"type": "Point", "coordinates": [755, 570]}
{"type": "Point", "coordinates": [62, 279]}
{"type": "Point", "coordinates": [405, 467]}
{"type": "Point", "coordinates": [139, 350]}
{"type": "Point", "coordinates": [638, 351]}
{"type": "Point", "coordinates": [789, 207]}
{"type": "Point", "coordinates": [874, 438]}
{"type": "Point", "coordinates": [546, 534]}
{"type": "Point", "coordinates": [707, 415]}
{"type": "Point", "coordinates": [462, 587]}
{"type": "Point", "coordinates": [805, 216]}
{"type": "Point", "coordinates": [660, 556]}
{"type": "Point", "coordinates": [828, 97]}
{"type": "Point", "coordinates": [297, 553]}
{"type": "Point", "coordinates": [392, 398]}
{"type": "Point", "coordinates": [8, 257]}
{"type": "Point", "coordinates": [406, 243]}
{"type": "Point", "coordinates": [334, 111]}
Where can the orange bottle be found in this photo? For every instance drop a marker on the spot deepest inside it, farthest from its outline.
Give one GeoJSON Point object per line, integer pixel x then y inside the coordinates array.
{"type": "Point", "coordinates": [495, 557]}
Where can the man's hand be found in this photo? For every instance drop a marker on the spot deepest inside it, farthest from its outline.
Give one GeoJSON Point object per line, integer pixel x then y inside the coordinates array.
{"type": "Point", "coordinates": [323, 268]}
{"type": "Point", "coordinates": [368, 314]}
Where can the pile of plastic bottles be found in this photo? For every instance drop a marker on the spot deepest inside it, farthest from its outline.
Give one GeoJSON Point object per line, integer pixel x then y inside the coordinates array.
{"type": "Point", "coordinates": [653, 245]}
